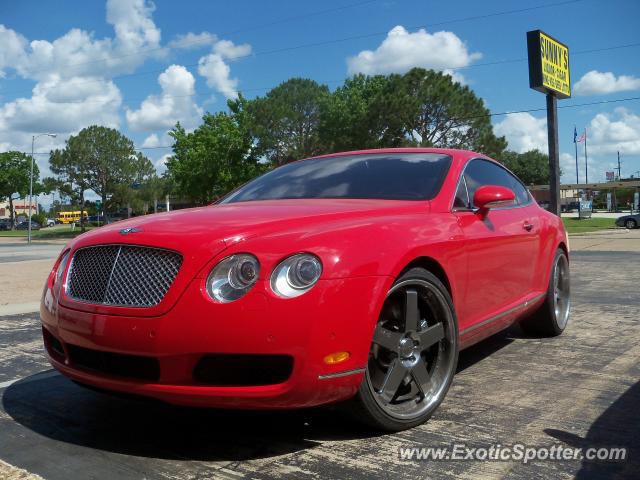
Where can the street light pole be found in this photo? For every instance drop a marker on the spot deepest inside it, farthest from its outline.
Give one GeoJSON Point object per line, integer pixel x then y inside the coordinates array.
{"type": "Point", "coordinates": [33, 141]}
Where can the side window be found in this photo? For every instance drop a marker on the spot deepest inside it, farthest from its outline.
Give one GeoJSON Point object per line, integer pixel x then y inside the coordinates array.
{"type": "Point", "coordinates": [482, 172]}
{"type": "Point", "coordinates": [462, 197]}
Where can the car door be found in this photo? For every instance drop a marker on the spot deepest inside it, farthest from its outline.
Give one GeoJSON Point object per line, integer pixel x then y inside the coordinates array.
{"type": "Point", "coordinates": [502, 245]}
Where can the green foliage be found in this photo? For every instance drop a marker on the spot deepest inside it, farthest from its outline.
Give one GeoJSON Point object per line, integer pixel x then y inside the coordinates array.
{"type": "Point", "coordinates": [107, 157]}
{"type": "Point", "coordinates": [346, 120]}
{"type": "Point", "coordinates": [15, 168]}
{"type": "Point", "coordinates": [139, 193]}
{"type": "Point", "coordinates": [285, 122]}
{"type": "Point", "coordinates": [531, 167]}
{"type": "Point", "coordinates": [214, 159]}
{"type": "Point", "coordinates": [105, 161]}
{"type": "Point", "coordinates": [429, 109]}
{"type": "Point", "coordinates": [41, 218]}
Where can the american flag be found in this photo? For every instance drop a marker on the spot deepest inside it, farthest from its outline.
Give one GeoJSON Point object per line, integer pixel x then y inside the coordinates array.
{"type": "Point", "coordinates": [581, 138]}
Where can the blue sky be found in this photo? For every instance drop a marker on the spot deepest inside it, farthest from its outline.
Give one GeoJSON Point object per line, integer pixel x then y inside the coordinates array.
{"type": "Point", "coordinates": [141, 66]}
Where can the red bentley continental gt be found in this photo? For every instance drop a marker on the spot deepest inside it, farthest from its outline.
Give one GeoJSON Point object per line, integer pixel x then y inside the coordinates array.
{"type": "Point", "coordinates": [357, 276]}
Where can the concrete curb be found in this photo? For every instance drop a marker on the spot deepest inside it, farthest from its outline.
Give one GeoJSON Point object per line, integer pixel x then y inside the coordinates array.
{"type": "Point", "coordinates": [9, 472]}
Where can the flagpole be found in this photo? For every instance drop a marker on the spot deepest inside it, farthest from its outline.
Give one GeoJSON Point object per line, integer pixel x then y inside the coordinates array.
{"type": "Point", "coordinates": [575, 143]}
{"type": "Point", "coordinates": [586, 166]}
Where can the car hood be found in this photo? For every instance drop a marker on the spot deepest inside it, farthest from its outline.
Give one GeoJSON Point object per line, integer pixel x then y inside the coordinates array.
{"type": "Point", "coordinates": [201, 234]}
{"type": "Point", "coordinates": [195, 229]}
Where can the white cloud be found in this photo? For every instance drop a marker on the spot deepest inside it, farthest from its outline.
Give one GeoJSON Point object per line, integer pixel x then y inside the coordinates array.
{"type": "Point", "coordinates": [191, 41]}
{"type": "Point", "coordinates": [78, 53]}
{"type": "Point", "coordinates": [523, 132]}
{"type": "Point", "coordinates": [401, 51]}
{"type": "Point", "coordinates": [151, 141]}
{"type": "Point", "coordinates": [161, 163]}
{"type": "Point", "coordinates": [218, 75]}
{"type": "Point", "coordinates": [609, 133]}
{"type": "Point", "coordinates": [230, 51]}
{"type": "Point", "coordinates": [215, 69]}
{"type": "Point", "coordinates": [601, 83]}
{"type": "Point", "coordinates": [55, 106]}
{"type": "Point", "coordinates": [175, 103]}
{"type": "Point", "coordinates": [13, 48]}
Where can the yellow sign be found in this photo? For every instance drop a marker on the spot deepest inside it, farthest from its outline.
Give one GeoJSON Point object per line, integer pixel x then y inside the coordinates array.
{"type": "Point", "coordinates": [548, 64]}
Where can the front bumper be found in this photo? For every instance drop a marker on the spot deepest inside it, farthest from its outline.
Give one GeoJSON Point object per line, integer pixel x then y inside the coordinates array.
{"type": "Point", "coordinates": [336, 315]}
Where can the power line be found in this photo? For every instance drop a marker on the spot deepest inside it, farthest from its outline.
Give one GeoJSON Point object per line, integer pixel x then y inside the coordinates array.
{"type": "Point", "coordinates": [336, 81]}
{"type": "Point", "coordinates": [230, 32]}
{"type": "Point", "coordinates": [528, 110]}
{"type": "Point", "coordinates": [334, 41]}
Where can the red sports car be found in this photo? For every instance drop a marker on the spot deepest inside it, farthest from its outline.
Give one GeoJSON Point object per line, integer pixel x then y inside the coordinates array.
{"type": "Point", "coordinates": [356, 276]}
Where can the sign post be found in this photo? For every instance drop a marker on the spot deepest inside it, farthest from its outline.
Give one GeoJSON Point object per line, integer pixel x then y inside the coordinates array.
{"type": "Point", "coordinates": [549, 74]}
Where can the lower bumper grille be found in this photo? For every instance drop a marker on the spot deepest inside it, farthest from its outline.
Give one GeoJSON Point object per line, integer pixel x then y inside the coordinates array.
{"type": "Point", "coordinates": [243, 370]}
{"type": "Point", "coordinates": [116, 364]}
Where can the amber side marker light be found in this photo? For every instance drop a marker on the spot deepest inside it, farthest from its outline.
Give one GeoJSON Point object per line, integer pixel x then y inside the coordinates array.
{"type": "Point", "coordinates": [336, 357]}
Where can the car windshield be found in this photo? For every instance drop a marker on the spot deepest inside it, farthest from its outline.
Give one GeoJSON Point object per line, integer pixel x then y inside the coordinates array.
{"type": "Point", "coordinates": [388, 176]}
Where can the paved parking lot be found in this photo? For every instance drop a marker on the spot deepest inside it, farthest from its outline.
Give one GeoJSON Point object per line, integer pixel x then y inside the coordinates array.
{"type": "Point", "coordinates": [581, 390]}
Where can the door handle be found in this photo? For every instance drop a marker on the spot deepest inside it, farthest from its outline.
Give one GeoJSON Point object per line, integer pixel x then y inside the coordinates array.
{"type": "Point", "coordinates": [527, 226]}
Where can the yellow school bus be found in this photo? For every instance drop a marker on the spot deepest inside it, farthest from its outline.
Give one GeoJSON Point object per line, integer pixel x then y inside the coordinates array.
{"type": "Point", "coordinates": [70, 217]}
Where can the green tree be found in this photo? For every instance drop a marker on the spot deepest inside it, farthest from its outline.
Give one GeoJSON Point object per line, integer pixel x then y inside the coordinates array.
{"type": "Point", "coordinates": [346, 119]}
{"type": "Point", "coordinates": [214, 158]}
{"type": "Point", "coordinates": [531, 167]}
{"type": "Point", "coordinates": [15, 168]}
{"type": "Point", "coordinates": [429, 109]}
{"type": "Point", "coordinates": [132, 195]}
{"type": "Point", "coordinates": [109, 159]}
{"type": "Point", "coordinates": [285, 121]}
{"type": "Point", "coordinates": [71, 168]}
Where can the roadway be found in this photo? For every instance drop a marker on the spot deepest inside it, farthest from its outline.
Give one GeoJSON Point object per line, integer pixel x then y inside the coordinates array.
{"type": "Point", "coordinates": [581, 389]}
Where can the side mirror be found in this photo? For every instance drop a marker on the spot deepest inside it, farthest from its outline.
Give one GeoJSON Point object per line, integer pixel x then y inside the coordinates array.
{"type": "Point", "coordinates": [493, 196]}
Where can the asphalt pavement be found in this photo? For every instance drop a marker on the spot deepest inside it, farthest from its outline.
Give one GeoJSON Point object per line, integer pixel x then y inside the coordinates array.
{"type": "Point", "coordinates": [20, 251]}
{"type": "Point", "coordinates": [581, 389]}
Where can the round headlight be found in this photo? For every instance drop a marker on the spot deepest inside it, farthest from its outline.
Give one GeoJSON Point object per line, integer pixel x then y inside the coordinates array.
{"type": "Point", "coordinates": [57, 279]}
{"type": "Point", "coordinates": [233, 277]}
{"type": "Point", "coordinates": [296, 275]}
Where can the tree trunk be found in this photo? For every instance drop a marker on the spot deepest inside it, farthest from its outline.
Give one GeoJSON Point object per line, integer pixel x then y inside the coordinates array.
{"type": "Point", "coordinates": [104, 206]}
{"type": "Point", "coordinates": [82, 223]}
{"type": "Point", "coordinates": [12, 214]}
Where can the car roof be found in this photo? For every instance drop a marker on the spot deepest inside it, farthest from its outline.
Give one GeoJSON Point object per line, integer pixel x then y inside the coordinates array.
{"type": "Point", "coordinates": [456, 153]}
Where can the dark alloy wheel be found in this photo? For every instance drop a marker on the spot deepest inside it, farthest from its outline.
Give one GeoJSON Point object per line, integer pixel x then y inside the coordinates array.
{"type": "Point", "coordinates": [413, 354]}
{"type": "Point", "coordinates": [552, 316]}
{"type": "Point", "coordinates": [630, 224]}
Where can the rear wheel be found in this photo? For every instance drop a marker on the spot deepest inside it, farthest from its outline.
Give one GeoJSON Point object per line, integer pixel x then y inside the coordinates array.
{"type": "Point", "coordinates": [413, 354]}
{"type": "Point", "coordinates": [551, 318]}
{"type": "Point", "coordinates": [630, 224]}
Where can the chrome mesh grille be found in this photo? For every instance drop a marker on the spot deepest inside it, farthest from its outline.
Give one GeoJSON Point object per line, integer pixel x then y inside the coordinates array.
{"type": "Point", "coordinates": [122, 275]}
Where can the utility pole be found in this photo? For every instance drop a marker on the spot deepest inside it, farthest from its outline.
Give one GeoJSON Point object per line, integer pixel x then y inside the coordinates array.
{"type": "Point", "coordinates": [33, 141]}
{"type": "Point", "coordinates": [619, 175]}
{"type": "Point", "coordinates": [575, 143]}
{"type": "Point", "coordinates": [586, 162]}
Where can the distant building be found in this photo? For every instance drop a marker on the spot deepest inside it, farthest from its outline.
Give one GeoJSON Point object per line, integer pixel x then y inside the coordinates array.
{"type": "Point", "coordinates": [20, 206]}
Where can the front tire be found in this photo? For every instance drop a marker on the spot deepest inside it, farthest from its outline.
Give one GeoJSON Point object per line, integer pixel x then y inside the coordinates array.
{"type": "Point", "coordinates": [413, 354]}
{"type": "Point", "coordinates": [552, 317]}
{"type": "Point", "coordinates": [630, 224]}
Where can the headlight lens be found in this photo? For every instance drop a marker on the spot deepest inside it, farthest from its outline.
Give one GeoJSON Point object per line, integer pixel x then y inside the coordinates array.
{"type": "Point", "coordinates": [296, 275]}
{"type": "Point", "coordinates": [233, 277]}
{"type": "Point", "coordinates": [57, 280]}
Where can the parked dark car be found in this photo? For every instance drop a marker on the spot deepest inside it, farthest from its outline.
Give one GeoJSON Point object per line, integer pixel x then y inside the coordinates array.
{"type": "Point", "coordinates": [570, 207]}
{"type": "Point", "coordinates": [25, 226]}
{"type": "Point", "coordinates": [629, 221]}
{"type": "Point", "coordinates": [5, 224]}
